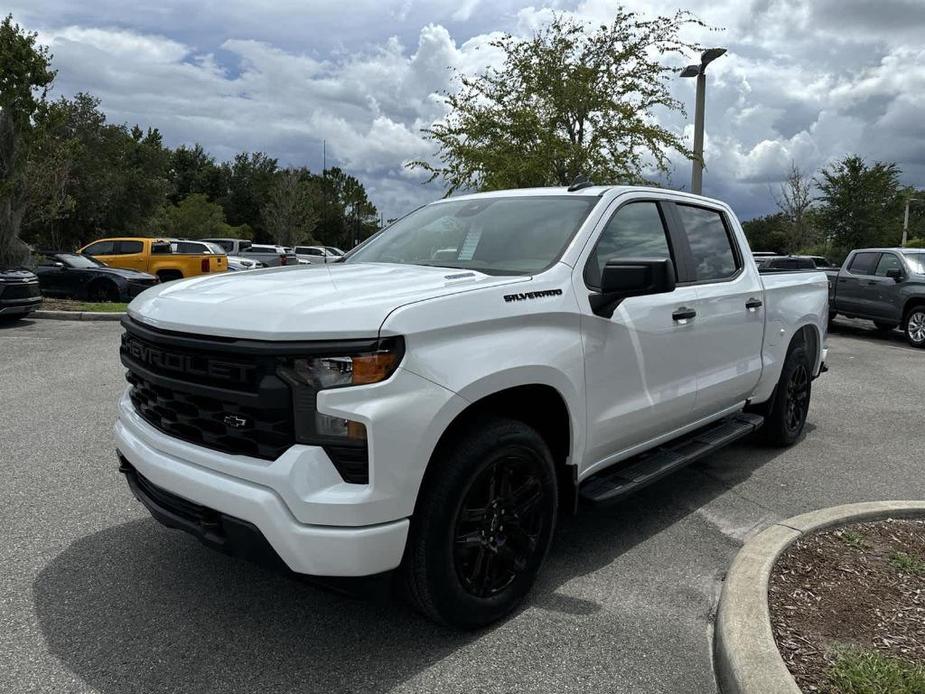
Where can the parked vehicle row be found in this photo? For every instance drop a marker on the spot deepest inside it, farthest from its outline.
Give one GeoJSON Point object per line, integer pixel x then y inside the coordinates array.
{"type": "Point", "coordinates": [497, 358]}
{"type": "Point", "coordinates": [318, 255]}
{"type": "Point", "coordinates": [168, 259]}
{"type": "Point", "coordinates": [884, 285]}
{"type": "Point", "coordinates": [269, 255]}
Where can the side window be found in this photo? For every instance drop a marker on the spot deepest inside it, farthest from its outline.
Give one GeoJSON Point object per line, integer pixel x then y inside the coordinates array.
{"type": "Point", "coordinates": [710, 242]}
{"type": "Point", "coordinates": [187, 247]}
{"type": "Point", "coordinates": [888, 262]}
{"type": "Point", "coordinates": [227, 245]}
{"type": "Point", "coordinates": [314, 251]}
{"type": "Point", "coordinates": [100, 248]}
{"type": "Point", "coordinates": [636, 230]}
{"type": "Point", "coordinates": [863, 263]}
{"type": "Point", "coordinates": [128, 247]}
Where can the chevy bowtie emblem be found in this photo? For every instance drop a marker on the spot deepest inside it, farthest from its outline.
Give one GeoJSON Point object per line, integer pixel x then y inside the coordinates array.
{"type": "Point", "coordinates": [235, 422]}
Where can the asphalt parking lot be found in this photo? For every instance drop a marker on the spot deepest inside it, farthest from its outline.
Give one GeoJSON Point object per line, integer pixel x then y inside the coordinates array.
{"type": "Point", "coordinates": [97, 597]}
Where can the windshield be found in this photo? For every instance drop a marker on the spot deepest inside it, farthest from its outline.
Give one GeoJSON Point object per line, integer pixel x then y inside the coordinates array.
{"type": "Point", "coordinates": [497, 236]}
{"type": "Point", "coordinates": [916, 262]}
{"type": "Point", "coordinates": [78, 261]}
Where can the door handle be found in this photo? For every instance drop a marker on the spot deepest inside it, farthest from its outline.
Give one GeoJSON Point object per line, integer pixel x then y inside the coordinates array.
{"type": "Point", "coordinates": [683, 314]}
{"type": "Point", "coordinates": [753, 304]}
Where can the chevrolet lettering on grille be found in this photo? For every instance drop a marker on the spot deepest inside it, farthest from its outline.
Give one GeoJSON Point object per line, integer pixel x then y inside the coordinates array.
{"type": "Point", "coordinates": [193, 365]}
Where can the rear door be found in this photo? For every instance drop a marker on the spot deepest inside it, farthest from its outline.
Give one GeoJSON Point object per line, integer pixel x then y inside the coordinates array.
{"type": "Point", "coordinates": [640, 375]}
{"type": "Point", "coordinates": [131, 255]}
{"type": "Point", "coordinates": [852, 295]}
{"type": "Point", "coordinates": [728, 329]}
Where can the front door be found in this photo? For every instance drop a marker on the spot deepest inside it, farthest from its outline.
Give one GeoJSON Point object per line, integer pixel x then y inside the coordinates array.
{"type": "Point", "coordinates": [640, 365]}
{"type": "Point", "coordinates": [886, 302]}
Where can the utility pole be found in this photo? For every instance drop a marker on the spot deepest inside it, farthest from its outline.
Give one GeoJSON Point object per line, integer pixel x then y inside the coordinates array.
{"type": "Point", "coordinates": [909, 201]}
{"type": "Point", "coordinates": [700, 72]}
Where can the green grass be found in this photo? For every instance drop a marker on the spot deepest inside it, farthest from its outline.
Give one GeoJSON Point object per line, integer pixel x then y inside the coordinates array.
{"type": "Point", "coordinates": [869, 672]}
{"type": "Point", "coordinates": [102, 307]}
{"type": "Point", "coordinates": [852, 539]}
{"type": "Point", "coordinates": [908, 564]}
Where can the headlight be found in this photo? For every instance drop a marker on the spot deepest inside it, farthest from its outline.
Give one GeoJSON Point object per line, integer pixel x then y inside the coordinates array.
{"type": "Point", "coordinates": [308, 375]}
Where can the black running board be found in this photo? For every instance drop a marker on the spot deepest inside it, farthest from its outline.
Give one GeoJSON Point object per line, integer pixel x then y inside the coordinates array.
{"type": "Point", "coordinates": [634, 474]}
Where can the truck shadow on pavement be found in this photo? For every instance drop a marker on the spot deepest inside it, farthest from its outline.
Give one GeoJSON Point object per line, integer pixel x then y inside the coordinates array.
{"type": "Point", "coordinates": [138, 608]}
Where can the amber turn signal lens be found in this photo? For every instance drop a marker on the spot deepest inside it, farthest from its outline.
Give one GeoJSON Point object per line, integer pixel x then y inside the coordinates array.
{"type": "Point", "coordinates": [372, 368]}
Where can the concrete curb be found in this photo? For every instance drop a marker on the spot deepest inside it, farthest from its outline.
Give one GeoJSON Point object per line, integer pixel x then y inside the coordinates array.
{"type": "Point", "coordinates": [78, 315]}
{"type": "Point", "coordinates": [746, 655]}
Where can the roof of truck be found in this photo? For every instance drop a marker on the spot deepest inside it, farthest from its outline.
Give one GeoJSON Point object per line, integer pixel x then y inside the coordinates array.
{"type": "Point", "coordinates": [589, 191]}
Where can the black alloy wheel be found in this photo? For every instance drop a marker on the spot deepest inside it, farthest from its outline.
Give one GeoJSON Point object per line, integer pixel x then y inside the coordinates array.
{"type": "Point", "coordinates": [499, 525]}
{"type": "Point", "coordinates": [797, 398]}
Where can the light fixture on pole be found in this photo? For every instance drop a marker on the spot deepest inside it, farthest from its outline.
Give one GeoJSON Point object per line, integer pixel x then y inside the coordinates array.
{"type": "Point", "coordinates": [699, 71]}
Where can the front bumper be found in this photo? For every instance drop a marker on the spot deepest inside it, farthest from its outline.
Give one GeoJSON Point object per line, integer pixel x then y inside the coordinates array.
{"type": "Point", "coordinates": [26, 305]}
{"type": "Point", "coordinates": [318, 550]}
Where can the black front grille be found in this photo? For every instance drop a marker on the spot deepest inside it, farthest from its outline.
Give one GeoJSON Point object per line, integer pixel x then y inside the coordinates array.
{"type": "Point", "coordinates": [217, 423]}
{"type": "Point", "coordinates": [208, 391]}
{"type": "Point", "coordinates": [20, 291]}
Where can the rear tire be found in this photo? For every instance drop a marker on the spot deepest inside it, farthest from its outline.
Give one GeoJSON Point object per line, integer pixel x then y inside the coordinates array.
{"type": "Point", "coordinates": [915, 326]}
{"type": "Point", "coordinates": [483, 525]}
{"type": "Point", "coordinates": [785, 415]}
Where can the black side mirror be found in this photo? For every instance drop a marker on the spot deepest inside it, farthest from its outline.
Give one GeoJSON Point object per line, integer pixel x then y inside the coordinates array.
{"type": "Point", "coordinates": [895, 274]}
{"type": "Point", "coordinates": [623, 278]}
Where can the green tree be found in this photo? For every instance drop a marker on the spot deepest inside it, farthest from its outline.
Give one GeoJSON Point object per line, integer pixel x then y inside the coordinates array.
{"type": "Point", "coordinates": [249, 178]}
{"type": "Point", "coordinates": [292, 209]}
{"type": "Point", "coordinates": [25, 77]}
{"type": "Point", "coordinates": [347, 214]}
{"type": "Point", "coordinates": [768, 233]}
{"type": "Point", "coordinates": [196, 217]}
{"type": "Point", "coordinates": [570, 100]}
{"type": "Point", "coordinates": [860, 204]}
{"type": "Point", "coordinates": [193, 170]}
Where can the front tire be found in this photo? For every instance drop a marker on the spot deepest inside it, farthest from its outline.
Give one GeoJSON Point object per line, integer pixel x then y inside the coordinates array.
{"type": "Point", "coordinates": [483, 525]}
{"type": "Point", "coordinates": [786, 416]}
{"type": "Point", "coordinates": [915, 327]}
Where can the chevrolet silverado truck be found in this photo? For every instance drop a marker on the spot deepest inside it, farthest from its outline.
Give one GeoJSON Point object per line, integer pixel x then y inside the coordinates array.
{"type": "Point", "coordinates": [432, 402]}
{"type": "Point", "coordinates": [883, 285]}
{"type": "Point", "coordinates": [167, 259]}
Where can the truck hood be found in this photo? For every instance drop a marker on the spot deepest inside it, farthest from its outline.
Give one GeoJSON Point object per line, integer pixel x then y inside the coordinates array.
{"type": "Point", "coordinates": [334, 301]}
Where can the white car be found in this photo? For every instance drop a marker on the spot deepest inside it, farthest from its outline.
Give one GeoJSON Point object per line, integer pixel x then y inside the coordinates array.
{"type": "Point", "coordinates": [317, 255]}
{"type": "Point", "coordinates": [236, 262]}
{"type": "Point", "coordinates": [430, 411]}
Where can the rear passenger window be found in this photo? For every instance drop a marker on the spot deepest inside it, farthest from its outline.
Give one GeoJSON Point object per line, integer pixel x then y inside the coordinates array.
{"type": "Point", "coordinates": [711, 247]}
{"type": "Point", "coordinates": [185, 247]}
{"type": "Point", "coordinates": [100, 248]}
{"type": "Point", "coordinates": [128, 247]}
{"type": "Point", "coordinates": [888, 262]}
{"type": "Point", "coordinates": [863, 263]}
{"type": "Point", "coordinates": [636, 230]}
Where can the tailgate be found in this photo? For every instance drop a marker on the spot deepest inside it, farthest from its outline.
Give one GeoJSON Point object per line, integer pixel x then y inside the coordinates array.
{"type": "Point", "coordinates": [218, 263]}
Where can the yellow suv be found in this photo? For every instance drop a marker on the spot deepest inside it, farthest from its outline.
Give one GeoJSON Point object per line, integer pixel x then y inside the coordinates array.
{"type": "Point", "coordinates": [169, 259]}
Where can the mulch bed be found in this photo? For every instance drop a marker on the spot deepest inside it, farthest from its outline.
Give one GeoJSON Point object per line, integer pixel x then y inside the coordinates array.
{"type": "Point", "coordinates": [859, 585]}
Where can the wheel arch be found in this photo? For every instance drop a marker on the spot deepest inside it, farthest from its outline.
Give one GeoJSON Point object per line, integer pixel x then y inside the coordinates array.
{"type": "Point", "coordinates": [538, 405]}
{"type": "Point", "coordinates": [911, 303]}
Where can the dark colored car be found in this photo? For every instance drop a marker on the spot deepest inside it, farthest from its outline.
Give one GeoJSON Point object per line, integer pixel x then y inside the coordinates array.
{"type": "Point", "coordinates": [73, 276]}
{"type": "Point", "coordinates": [884, 285]}
{"type": "Point", "coordinates": [19, 293]}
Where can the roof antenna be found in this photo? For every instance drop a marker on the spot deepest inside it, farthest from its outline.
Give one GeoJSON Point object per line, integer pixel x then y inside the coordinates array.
{"type": "Point", "coordinates": [581, 181]}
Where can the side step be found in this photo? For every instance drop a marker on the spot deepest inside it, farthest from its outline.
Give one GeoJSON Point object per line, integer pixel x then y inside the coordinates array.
{"type": "Point", "coordinates": [615, 483]}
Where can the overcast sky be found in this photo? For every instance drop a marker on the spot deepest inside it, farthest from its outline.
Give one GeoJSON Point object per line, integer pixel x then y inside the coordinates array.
{"type": "Point", "coordinates": [806, 81]}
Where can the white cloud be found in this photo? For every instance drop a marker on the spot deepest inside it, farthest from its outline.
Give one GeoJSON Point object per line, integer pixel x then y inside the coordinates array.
{"type": "Point", "coordinates": [808, 82]}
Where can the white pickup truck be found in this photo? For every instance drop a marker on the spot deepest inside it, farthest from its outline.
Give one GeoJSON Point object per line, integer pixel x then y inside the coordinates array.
{"type": "Point", "coordinates": [433, 401]}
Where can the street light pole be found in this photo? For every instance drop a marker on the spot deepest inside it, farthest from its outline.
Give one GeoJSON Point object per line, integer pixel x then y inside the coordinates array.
{"type": "Point", "coordinates": [700, 72]}
{"type": "Point", "coordinates": [909, 201]}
